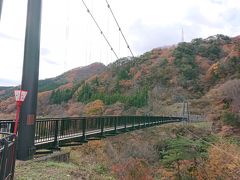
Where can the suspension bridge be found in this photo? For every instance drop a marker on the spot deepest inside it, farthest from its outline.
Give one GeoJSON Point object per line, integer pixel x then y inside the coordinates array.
{"type": "Point", "coordinates": [52, 133]}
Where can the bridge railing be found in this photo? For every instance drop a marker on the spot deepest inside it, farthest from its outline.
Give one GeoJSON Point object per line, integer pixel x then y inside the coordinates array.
{"type": "Point", "coordinates": [7, 155]}
{"type": "Point", "coordinates": [7, 126]}
{"type": "Point", "coordinates": [54, 130]}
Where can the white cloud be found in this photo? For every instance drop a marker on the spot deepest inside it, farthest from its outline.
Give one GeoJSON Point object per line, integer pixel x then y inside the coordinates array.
{"type": "Point", "coordinates": [146, 24]}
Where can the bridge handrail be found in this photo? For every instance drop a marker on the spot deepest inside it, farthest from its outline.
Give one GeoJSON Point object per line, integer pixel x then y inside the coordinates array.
{"type": "Point", "coordinates": [90, 117]}
{"type": "Point", "coordinates": [50, 131]}
{"type": "Point", "coordinates": [7, 155]}
{"type": "Point", "coordinates": [55, 129]}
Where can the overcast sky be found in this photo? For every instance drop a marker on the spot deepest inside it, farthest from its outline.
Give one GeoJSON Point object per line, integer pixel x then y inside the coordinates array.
{"type": "Point", "coordinates": [70, 39]}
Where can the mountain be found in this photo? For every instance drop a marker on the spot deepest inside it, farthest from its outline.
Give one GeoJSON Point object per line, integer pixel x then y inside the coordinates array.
{"type": "Point", "coordinates": [156, 82]}
{"type": "Point", "coordinates": [64, 80]}
{"type": "Point", "coordinates": [6, 92]}
{"type": "Point", "coordinates": [70, 77]}
{"type": "Point", "coordinates": [67, 79]}
{"type": "Point", "coordinates": [2, 88]}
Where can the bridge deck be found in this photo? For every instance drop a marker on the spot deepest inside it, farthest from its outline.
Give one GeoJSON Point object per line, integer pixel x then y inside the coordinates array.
{"type": "Point", "coordinates": [50, 132]}
{"type": "Point", "coordinates": [78, 135]}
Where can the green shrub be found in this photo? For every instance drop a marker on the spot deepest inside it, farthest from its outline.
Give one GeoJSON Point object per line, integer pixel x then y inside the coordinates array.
{"type": "Point", "coordinates": [101, 169]}
{"type": "Point", "coordinates": [231, 67]}
{"type": "Point", "coordinates": [122, 74]}
{"type": "Point", "coordinates": [85, 94]}
{"type": "Point", "coordinates": [59, 96]}
{"type": "Point", "coordinates": [184, 49]}
{"type": "Point", "coordinates": [185, 62]}
{"type": "Point", "coordinates": [88, 94]}
{"type": "Point", "coordinates": [231, 118]}
{"type": "Point", "coordinates": [182, 148]}
{"type": "Point", "coordinates": [49, 84]}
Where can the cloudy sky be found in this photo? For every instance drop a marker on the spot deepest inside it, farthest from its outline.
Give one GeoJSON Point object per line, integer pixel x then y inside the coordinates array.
{"type": "Point", "coordinates": [70, 39]}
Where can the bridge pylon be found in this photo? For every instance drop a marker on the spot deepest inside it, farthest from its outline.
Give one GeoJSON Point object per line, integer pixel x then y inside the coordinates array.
{"type": "Point", "coordinates": [26, 134]}
{"type": "Point", "coordinates": [185, 113]}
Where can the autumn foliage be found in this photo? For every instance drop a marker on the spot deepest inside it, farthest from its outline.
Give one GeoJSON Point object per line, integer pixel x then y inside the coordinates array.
{"type": "Point", "coordinates": [223, 161]}
{"type": "Point", "coordinates": [94, 108]}
{"type": "Point", "coordinates": [133, 169]}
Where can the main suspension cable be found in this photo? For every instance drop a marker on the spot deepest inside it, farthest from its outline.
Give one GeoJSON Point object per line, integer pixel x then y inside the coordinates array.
{"type": "Point", "coordinates": [100, 30]}
{"type": "Point", "coordinates": [119, 28]}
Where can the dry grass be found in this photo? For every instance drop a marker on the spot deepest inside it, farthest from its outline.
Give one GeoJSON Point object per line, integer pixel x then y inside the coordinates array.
{"type": "Point", "coordinates": [45, 170]}
{"type": "Point", "coordinates": [129, 156]}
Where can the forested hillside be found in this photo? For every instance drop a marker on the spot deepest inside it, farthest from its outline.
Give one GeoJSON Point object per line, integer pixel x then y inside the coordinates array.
{"type": "Point", "coordinates": [45, 87]}
{"type": "Point", "coordinates": [204, 72]}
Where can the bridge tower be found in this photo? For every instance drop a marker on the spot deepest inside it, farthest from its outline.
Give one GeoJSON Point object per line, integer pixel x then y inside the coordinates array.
{"type": "Point", "coordinates": [26, 134]}
{"type": "Point", "coordinates": [185, 112]}
{"type": "Point", "coordinates": [182, 35]}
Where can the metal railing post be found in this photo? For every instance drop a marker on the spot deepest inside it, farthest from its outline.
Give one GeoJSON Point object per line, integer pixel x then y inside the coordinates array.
{"type": "Point", "coordinates": [139, 122]}
{"type": "Point", "coordinates": [12, 127]}
{"type": "Point", "coordinates": [125, 124]}
{"type": "Point", "coordinates": [14, 156]}
{"type": "Point", "coordinates": [4, 159]}
{"type": "Point", "coordinates": [133, 122]}
{"type": "Point", "coordinates": [84, 127]}
{"type": "Point", "coordinates": [102, 126]}
{"type": "Point", "coordinates": [144, 121]}
{"type": "Point", "coordinates": [95, 123]}
{"type": "Point", "coordinates": [115, 124]}
{"type": "Point", "coordinates": [56, 142]}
